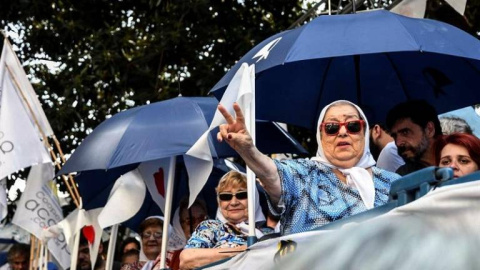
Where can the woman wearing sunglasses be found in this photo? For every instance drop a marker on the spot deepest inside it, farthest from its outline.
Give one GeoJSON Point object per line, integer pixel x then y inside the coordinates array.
{"type": "Point", "coordinates": [224, 237]}
{"type": "Point", "coordinates": [340, 181]}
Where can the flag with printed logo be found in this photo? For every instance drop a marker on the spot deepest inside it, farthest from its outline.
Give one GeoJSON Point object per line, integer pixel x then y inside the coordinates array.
{"type": "Point", "coordinates": [39, 208]}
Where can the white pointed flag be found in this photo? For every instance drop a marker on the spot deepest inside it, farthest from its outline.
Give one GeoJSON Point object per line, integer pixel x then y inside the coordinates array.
{"type": "Point", "coordinates": [155, 175]}
{"type": "Point", "coordinates": [20, 145]}
{"type": "Point", "coordinates": [411, 8]}
{"type": "Point", "coordinates": [3, 198]}
{"type": "Point", "coordinates": [198, 159]}
{"type": "Point", "coordinates": [21, 82]}
{"type": "Point", "coordinates": [39, 208]}
{"type": "Point", "coordinates": [129, 191]}
{"type": "Point", "coordinates": [458, 5]}
{"type": "Point", "coordinates": [93, 233]}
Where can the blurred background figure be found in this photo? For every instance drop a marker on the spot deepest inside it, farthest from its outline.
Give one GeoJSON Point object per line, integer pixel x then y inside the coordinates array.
{"type": "Point", "coordinates": [129, 244]}
{"type": "Point", "coordinates": [453, 124]}
{"type": "Point", "coordinates": [459, 151]}
{"type": "Point", "coordinates": [18, 257]}
{"type": "Point", "coordinates": [131, 256]}
{"type": "Point", "coordinates": [383, 149]}
{"type": "Point", "coordinates": [84, 261]}
{"type": "Point", "coordinates": [186, 220]}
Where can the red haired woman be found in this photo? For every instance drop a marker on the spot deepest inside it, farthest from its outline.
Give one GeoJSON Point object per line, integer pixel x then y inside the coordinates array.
{"type": "Point", "coordinates": [460, 151]}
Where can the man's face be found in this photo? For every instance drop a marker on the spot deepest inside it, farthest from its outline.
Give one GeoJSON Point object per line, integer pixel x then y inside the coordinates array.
{"type": "Point", "coordinates": [411, 140]}
{"type": "Point", "coordinates": [19, 262]}
{"type": "Point", "coordinates": [83, 261]}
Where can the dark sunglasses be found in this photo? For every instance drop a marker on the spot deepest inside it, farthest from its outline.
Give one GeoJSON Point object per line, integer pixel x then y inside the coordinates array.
{"type": "Point", "coordinates": [242, 195]}
{"type": "Point", "coordinates": [353, 127]}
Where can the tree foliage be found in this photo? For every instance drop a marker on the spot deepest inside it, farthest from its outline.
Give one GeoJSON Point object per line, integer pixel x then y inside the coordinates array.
{"type": "Point", "coordinates": [112, 55]}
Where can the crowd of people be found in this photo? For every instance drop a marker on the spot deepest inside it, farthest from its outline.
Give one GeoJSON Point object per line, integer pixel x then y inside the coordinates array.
{"type": "Point", "coordinates": [351, 172]}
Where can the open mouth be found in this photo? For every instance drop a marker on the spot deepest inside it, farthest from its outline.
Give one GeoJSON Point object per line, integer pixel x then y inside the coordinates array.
{"type": "Point", "coordinates": [343, 144]}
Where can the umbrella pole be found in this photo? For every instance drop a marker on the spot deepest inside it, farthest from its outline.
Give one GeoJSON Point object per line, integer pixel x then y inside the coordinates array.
{"type": "Point", "coordinates": [168, 210]}
{"type": "Point", "coordinates": [250, 123]}
{"type": "Point", "coordinates": [111, 247]}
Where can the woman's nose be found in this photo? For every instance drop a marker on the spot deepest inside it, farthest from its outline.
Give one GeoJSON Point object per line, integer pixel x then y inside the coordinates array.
{"type": "Point", "coordinates": [454, 165]}
{"type": "Point", "coordinates": [342, 131]}
{"type": "Point", "coordinates": [234, 201]}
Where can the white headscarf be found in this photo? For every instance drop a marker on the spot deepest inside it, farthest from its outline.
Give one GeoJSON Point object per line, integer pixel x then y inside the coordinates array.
{"type": "Point", "coordinates": [357, 176]}
{"type": "Point", "coordinates": [177, 227]}
{"type": "Point", "coordinates": [243, 226]}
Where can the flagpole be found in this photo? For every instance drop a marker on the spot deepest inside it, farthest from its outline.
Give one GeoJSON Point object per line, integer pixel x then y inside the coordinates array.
{"type": "Point", "coordinates": [45, 140]}
{"type": "Point", "coordinates": [168, 210]}
{"type": "Point", "coordinates": [62, 156]}
{"type": "Point", "coordinates": [111, 247]}
{"type": "Point", "coordinates": [250, 123]}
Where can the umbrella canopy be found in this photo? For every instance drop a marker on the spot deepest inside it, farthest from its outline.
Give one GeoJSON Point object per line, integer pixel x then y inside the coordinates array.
{"type": "Point", "coordinates": [375, 59]}
{"type": "Point", "coordinates": [160, 130]}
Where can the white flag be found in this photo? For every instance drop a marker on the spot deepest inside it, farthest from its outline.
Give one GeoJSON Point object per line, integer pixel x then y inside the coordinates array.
{"type": "Point", "coordinates": [155, 175]}
{"type": "Point", "coordinates": [93, 232]}
{"type": "Point", "coordinates": [129, 191]}
{"type": "Point", "coordinates": [20, 145]}
{"type": "Point", "coordinates": [38, 208]}
{"type": "Point", "coordinates": [411, 8]}
{"type": "Point", "coordinates": [3, 198]}
{"type": "Point", "coordinates": [458, 5]}
{"type": "Point", "coordinates": [198, 158]}
{"type": "Point", "coordinates": [21, 81]}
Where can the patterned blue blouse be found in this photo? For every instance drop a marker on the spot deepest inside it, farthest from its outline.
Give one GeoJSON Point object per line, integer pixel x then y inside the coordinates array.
{"type": "Point", "coordinates": [213, 233]}
{"type": "Point", "coordinates": [313, 196]}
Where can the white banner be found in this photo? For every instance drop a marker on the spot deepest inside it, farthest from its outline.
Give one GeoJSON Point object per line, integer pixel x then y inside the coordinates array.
{"type": "Point", "coordinates": [38, 208]}
{"type": "Point", "coordinates": [20, 145]}
{"type": "Point", "coordinates": [449, 210]}
{"type": "Point", "coordinates": [20, 79]}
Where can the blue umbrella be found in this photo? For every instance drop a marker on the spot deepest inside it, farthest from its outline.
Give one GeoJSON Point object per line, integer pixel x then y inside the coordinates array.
{"type": "Point", "coordinates": [160, 130]}
{"type": "Point", "coordinates": [151, 132]}
{"type": "Point", "coordinates": [374, 59]}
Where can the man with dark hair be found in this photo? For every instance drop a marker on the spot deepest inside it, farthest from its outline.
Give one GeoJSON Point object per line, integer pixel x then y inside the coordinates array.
{"type": "Point", "coordinates": [414, 126]}
{"type": "Point", "coordinates": [84, 260]}
{"type": "Point", "coordinates": [18, 257]}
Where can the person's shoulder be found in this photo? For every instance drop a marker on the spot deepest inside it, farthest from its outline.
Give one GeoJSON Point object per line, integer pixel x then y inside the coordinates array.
{"type": "Point", "coordinates": [382, 173]}
{"type": "Point", "coordinates": [209, 223]}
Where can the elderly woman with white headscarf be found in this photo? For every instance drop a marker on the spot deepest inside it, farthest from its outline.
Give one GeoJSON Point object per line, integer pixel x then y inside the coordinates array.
{"type": "Point", "coordinates": [341, 180]}
{"type": "Point", "coordinates": [225, 236]}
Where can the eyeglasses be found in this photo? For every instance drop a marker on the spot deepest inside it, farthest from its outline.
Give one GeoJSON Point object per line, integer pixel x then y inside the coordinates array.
{"type": "Point", "coordinates": [353, 127]}
{"type": "Point", "coordinates": [242, 195]}
{"type": "Point", "coordinates": [156, 235]}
